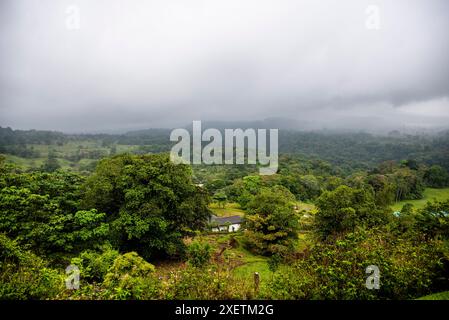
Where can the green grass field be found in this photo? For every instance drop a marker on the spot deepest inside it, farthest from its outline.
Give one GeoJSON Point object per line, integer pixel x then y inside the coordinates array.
{"type": "Point", "coordinates": [247, 270]}
{"type": "Point", "coordinates": [34, 163]}
{"type": "Point", "coordinates": [430, 194]}
{"type": "Point", "coordinates": [309, 207]}
{"type": "Point", "coordinates": [61, 151]}
{"type": "Point", "coordinates": [25, 163]}
{"type": "Point", "coordinates": [436, 296]}
{"type": "Point", "coordinates": [230, 209]}
{"type": "Point", "coordinates": [250, 264]}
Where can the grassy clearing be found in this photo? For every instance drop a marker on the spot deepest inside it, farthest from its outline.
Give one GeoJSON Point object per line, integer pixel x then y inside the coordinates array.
{"type": "Point", "coordinates": [430, 194]}
{"type": "Point", "coordinates": [247, 271]}
{"type": "Point", "coordinates": [245, 262]}
{"type": "Point", "coordinates": [250, 264]}
{"type": "Point", "coordinates": [35, 163]}
{"type": "Point", "coordinates": [230, 209]}
{"type": "Point", "coordinates": [73, 147]}
{"type": "Point", "coordinates": [308, 207]}
{"type": "Point", "coordinates": [66, 150]}
{"type": "Point", "coordinates": [436, 296]}
{"type": "Point", "coordinates": [25, 163]}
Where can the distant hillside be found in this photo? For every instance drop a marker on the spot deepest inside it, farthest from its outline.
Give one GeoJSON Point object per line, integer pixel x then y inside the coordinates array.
{"type": "Point", "coordinates": [344, 149]}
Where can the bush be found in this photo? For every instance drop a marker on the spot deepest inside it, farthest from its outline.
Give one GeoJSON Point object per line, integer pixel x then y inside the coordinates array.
{"type": "Point", "coordinates": [131, 277]}
{"type": "Point", "coordinates": [198, 254]}
{"type": "Point", "coordinates": [433, 219]}
{"type": "Point", "coordinates": [94, 265]}
{"type": "Point", "coordinates": [24, 275]}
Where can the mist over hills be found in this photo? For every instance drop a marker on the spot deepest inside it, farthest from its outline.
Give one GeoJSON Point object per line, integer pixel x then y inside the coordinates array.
{"type": "Point", "coordinates": [283, 124]}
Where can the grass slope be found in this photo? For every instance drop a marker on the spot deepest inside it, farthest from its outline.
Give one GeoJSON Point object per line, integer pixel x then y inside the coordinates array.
{"type": "Point", "coordinates": [62, 151]}
{"type": "Point", "coordinates": [436, 296]}
{"type": "Point", "coordinates": [429, 195]}
{"type": "Point", "coordinates": [230, 209]}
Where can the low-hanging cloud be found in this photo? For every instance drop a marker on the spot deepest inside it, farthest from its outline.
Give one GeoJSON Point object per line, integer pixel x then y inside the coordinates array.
{"type": "Point", "coordinates": [136, 64]}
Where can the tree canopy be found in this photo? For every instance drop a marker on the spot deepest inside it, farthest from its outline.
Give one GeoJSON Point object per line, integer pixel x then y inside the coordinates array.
{"type": "Point", "coordinates": [150, 202]}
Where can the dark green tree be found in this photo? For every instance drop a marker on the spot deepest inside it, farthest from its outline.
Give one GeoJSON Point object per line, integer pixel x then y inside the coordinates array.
{"type": "Point", "coordinates": [51, 164]}
{"type": "Point", "coordinates": [151, 203]}
{"type": "Point", "coordinates": [436, 177]}
{"type": "Point", "coordinates": [433, 220]}
{"type": "Point", "coordinates": [271, 225]}
{"type": "Point", "coordinates": [41, 211]}
{"type": "Point", "coordinates": [221, 198]}
{"type": "Point", "coordinates": [345, 208]}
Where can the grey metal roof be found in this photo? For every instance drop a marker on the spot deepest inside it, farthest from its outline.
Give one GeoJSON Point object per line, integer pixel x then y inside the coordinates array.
{"type": "Point", "coordinates": [221, 221]}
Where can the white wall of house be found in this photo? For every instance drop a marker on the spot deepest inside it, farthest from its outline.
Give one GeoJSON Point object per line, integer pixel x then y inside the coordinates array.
{"type": "Point", "coordinates": [232, 228]}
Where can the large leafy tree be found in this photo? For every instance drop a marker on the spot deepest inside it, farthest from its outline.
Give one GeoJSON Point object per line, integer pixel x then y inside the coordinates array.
{"type": "Point", "coordinates": [151, 203]}
{"type": "Point", "coordinates": [408, 184]}
{"type": "Point", "coordinates": [384, 190]}
{"type": "Point", "coordinates": [41, 212]}
{"type": "Point", "coordinates": [433, 219]}
{"type": "Point", "coordinates": [345, 208]}
{"type": "Point", "coordinates": [51, 164]}
{"type": "Point", "coordinates": [271, 223]}
{"type": "Point", "coordinates": [251, 185]}
{"type": "Point", "coordinates": [436, 177]}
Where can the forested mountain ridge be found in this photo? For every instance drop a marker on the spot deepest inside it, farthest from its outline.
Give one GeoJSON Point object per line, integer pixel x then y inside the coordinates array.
{"type": "Point", "coordinates": [356, 149]}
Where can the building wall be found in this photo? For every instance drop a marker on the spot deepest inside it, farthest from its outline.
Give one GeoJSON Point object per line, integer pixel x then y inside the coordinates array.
{"type": "Point", "coordinates": [232, 228]}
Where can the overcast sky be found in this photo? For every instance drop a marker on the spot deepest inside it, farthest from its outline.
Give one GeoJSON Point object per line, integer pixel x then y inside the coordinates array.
{"type": "Point", "coordinates": [101, 65]}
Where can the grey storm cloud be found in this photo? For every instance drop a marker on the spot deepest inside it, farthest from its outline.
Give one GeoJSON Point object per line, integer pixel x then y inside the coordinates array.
{"type": "Point", "coordinates": [154, 63]}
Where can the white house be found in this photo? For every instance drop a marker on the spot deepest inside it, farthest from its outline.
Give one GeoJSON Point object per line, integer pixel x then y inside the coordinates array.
{"type": "Point", "coordinates": [225, 224]}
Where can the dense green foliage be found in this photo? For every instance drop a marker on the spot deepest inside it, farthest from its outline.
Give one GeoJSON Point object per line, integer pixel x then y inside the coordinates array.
{"type": "Point", "coordinates": [41, 211]}
{"type": "Point", "coordinates": [408, 268]}
{"type": "Point", "coordinates": [150, 203]}
{"type": "Point", "coordinates": [436, 177]}
{"type": "Point", "coordinates": [23, 275]}
{"type": "Point", "coordinates": [198, 254]}
{"type": "Point", "coordinates": [271, 224]}
{"type": "Point", "coordinates": [130, 277]}
{"type": "Point", "coordinates": [137, 226]}
{"type": "Point", "coordinates": [345, 208]}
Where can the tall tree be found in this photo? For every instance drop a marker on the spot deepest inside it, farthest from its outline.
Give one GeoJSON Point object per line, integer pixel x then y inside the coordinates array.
{"type": "Point", "coordinates": [271, 224]}
{"type": "Point", "coordinates": [150, 202]}
{"type": "Point", "coordinates": [345, 208]}
{"type": "Point", "coordinates": [436, 177]}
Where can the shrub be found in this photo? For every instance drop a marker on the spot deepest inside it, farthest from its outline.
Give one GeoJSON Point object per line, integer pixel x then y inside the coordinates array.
{"type": "Point", "coordinates": [131, 277]}
{"type": "Point", "coordinates": [198, 254]}
{"type": "Point", "coordinates": [94, 265]}
{"type": "Point", "coordinates": [24, 275]}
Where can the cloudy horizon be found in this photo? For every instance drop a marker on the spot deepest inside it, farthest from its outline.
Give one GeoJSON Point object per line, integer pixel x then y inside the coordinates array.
{"type": "Point", "coordinates": [96, 65]}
